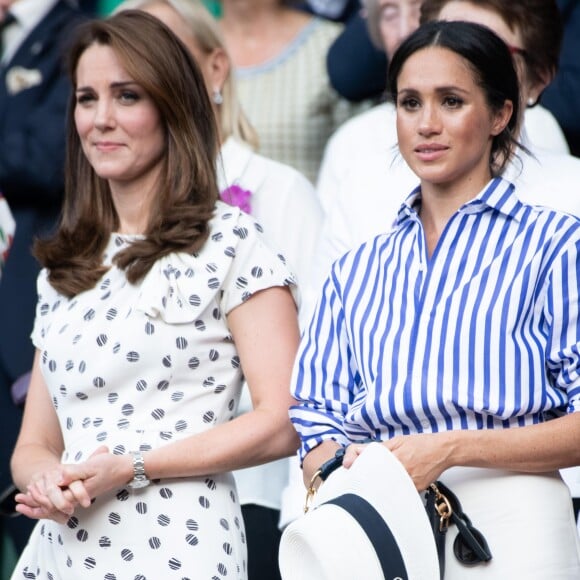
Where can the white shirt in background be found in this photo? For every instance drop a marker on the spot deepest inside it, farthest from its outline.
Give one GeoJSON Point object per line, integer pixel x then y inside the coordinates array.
{"type": "Point", "coordinates": [285, 204]}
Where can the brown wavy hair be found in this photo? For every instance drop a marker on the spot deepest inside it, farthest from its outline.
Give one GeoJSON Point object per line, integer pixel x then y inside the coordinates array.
{"type": "Point", "coordinates": [187, 191]}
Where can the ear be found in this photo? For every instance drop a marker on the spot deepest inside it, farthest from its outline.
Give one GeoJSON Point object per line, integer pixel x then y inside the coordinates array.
{"type": "Point", "coordinates": [218, 68]}
{"type": "Point", "coordinates": [501, 118]}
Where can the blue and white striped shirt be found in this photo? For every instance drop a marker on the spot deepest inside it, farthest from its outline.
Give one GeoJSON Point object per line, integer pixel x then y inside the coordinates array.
{"type": "Point", "coordinates": [483, 334]}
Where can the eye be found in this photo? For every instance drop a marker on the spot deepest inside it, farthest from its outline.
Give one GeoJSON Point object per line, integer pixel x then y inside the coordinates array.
{"type": "Point", "coordinates": [84, 98]}
{"type": "Point", "coordinates": [389, 13]}
{"type": "Point", "coordinates": [128, 97]}
{"type": "Point", "coordinates": [453, 102]}
{"type": "Point", "coordinates": [409, 103]}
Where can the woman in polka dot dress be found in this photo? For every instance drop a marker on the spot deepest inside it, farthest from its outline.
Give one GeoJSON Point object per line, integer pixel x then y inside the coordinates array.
{"type": "Point", "coordinates": [155, 301]}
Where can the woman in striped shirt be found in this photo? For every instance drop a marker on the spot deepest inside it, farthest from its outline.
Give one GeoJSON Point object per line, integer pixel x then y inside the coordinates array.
{"type": "Point", "coordinates": [456, 336]}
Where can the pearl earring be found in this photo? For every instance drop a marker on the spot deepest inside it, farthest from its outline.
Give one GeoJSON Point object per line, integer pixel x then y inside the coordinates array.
{"type": "Point", "coordinates": [217, 97]}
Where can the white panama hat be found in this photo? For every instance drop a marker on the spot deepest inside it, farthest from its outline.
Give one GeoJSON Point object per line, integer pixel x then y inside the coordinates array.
{"type": "Point", "coordinates": [366, 523]}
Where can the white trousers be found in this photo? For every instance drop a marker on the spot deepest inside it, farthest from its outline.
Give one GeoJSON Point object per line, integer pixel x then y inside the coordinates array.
{"type": "Point", "coordinates": [527, 520]}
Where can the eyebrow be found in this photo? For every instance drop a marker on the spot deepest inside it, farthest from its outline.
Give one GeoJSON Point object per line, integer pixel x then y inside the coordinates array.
{"type": "Point", "coordinates": [116, 85]}
{"type": "Point", "coordinates": [440, 90]}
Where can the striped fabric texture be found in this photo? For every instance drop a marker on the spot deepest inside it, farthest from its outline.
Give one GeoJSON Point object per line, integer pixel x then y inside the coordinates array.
{"type": "Point", "coordinates": [483, 334]}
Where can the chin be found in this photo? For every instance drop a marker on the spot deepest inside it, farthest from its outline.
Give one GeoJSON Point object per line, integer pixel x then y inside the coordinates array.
{"type": "Point", "coordinates": [431, 175]}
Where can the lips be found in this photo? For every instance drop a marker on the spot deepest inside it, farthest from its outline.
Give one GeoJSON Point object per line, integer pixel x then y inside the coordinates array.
{"type": "Point", "coordinates": [107, 145]}
{"type": "Point", "coordinates": [430, 151]}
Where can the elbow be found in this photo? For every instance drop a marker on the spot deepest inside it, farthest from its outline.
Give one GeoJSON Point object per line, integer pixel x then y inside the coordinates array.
{"type": "Point", "coordinates": [287, 440]}
{"type": "Point", "coordinates": [293, 442]}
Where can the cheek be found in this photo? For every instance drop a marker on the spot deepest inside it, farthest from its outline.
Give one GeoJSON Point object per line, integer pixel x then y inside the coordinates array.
{"type": "Point", "coordinates": [466, 127]}
{"type": "Point", "coordinates": [389, 36]}
{"type": "Point", "coordinates": [159, 135]}
{"type": "Point", "coordinates": [82, 122]}
{"type": "Point", "coordinates": [482, 127]}
{"type": "Point", "coordinates": [403, 132]}
{"type": "Point", "coordinates": [145, 125]}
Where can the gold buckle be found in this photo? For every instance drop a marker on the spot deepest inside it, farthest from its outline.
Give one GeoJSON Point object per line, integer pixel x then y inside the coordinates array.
{"type": "Point", "coordinates": [311, 491]}
{"type": "Point", "coordinates": [443, 508]}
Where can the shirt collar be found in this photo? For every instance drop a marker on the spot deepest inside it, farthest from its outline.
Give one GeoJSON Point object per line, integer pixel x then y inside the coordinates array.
{"type": "Point", "coordinates": [498, 195]}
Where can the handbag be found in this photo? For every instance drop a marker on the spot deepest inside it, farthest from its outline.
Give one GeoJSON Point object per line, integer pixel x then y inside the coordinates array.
{"type": "Point", "coordinates": [443, 509]}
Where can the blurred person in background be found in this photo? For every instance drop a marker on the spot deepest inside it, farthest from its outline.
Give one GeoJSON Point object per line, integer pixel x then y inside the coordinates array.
{"type": "Point", "coordinates": [357, 75]}
{"type": "Point", "coordinates": [7, 227]}
{"type": "Point", "coordinates": [279, 55]}
{"type": "Point", "coordinates": [562, 95]}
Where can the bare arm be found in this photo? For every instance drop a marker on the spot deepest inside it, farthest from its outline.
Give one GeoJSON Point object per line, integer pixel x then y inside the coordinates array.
{"type": "Point", "coordinates": [36, 466]}
{"type": "Point", "coordinates": [36, 449]}
{"type": "Point", "coordinates": [533, 449]}
{"type": "Point", "coordinates": [265, 331]}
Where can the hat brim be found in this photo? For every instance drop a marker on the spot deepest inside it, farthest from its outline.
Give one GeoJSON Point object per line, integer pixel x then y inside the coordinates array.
{"type": "Point", "coordinates": [329, 544]}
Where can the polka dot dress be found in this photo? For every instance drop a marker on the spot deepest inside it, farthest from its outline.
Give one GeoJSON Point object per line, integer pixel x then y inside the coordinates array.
{"type": "Point", "coordinates": [137, 367]}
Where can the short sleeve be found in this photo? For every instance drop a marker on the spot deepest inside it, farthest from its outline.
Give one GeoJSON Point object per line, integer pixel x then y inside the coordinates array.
{"type": "Point", "coordinates": [234, 263]}
{"type": "Point", "coordinates": [255, 266]}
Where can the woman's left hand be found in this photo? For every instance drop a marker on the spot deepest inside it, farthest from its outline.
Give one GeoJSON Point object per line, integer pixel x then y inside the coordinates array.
{"type": "Point", "coordinates": [425, 456]}
{"type": "Point", "coordinates": [100, 473]}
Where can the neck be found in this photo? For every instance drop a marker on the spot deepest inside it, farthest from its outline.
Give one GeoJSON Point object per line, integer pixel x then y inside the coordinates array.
{"type": "Point", "coordinates": [261, 33]}
{"type": "Point", "coordinates": [439, 203]}
{"type": "Point", "coordinates": [244, 15]}
{"type": "Point", "coordinates": [132, 208]}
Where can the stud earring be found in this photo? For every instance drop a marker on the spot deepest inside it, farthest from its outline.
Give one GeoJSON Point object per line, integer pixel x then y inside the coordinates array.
{"type": "Point", "coordinates": [217, 97]}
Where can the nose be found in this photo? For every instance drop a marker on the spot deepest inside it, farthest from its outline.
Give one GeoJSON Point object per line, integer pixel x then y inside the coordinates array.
{"type": "Point", "coordinates": [104, 115]}
{"type": "Point", "coordinates": [407, 25]}
{"type": "Point", "coordinates": [429, 121]}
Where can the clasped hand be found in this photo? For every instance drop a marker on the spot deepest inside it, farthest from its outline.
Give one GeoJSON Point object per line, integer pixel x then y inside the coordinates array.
{"type": "Point", "coordinates": [55, 494]}
{"type": "Point", "coordinates": [424, 456]}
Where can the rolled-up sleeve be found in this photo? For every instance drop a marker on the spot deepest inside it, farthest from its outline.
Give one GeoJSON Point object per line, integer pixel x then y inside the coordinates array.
{"type": "Point", "coordinates": [325, 378]}
{"type": "Point", "coordinates": [563, 306]}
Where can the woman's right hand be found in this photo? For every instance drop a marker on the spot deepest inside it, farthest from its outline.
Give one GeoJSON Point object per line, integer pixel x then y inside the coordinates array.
{"type": "Point", "coordinates": [46, 499]}
{"type": "Point", "coordinates": [28, 507]}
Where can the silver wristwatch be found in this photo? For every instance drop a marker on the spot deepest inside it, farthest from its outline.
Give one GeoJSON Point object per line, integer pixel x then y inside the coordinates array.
{"type": "Point", "coordinates": [140, 478]}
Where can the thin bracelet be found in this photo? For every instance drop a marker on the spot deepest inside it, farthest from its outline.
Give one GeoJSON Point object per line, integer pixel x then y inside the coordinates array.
{"type": "Point", "coordinates": [323, 472]}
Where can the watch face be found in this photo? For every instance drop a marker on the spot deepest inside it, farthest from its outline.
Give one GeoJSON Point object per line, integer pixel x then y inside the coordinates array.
{"type": "Point", "coordinates": [139, 482]}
